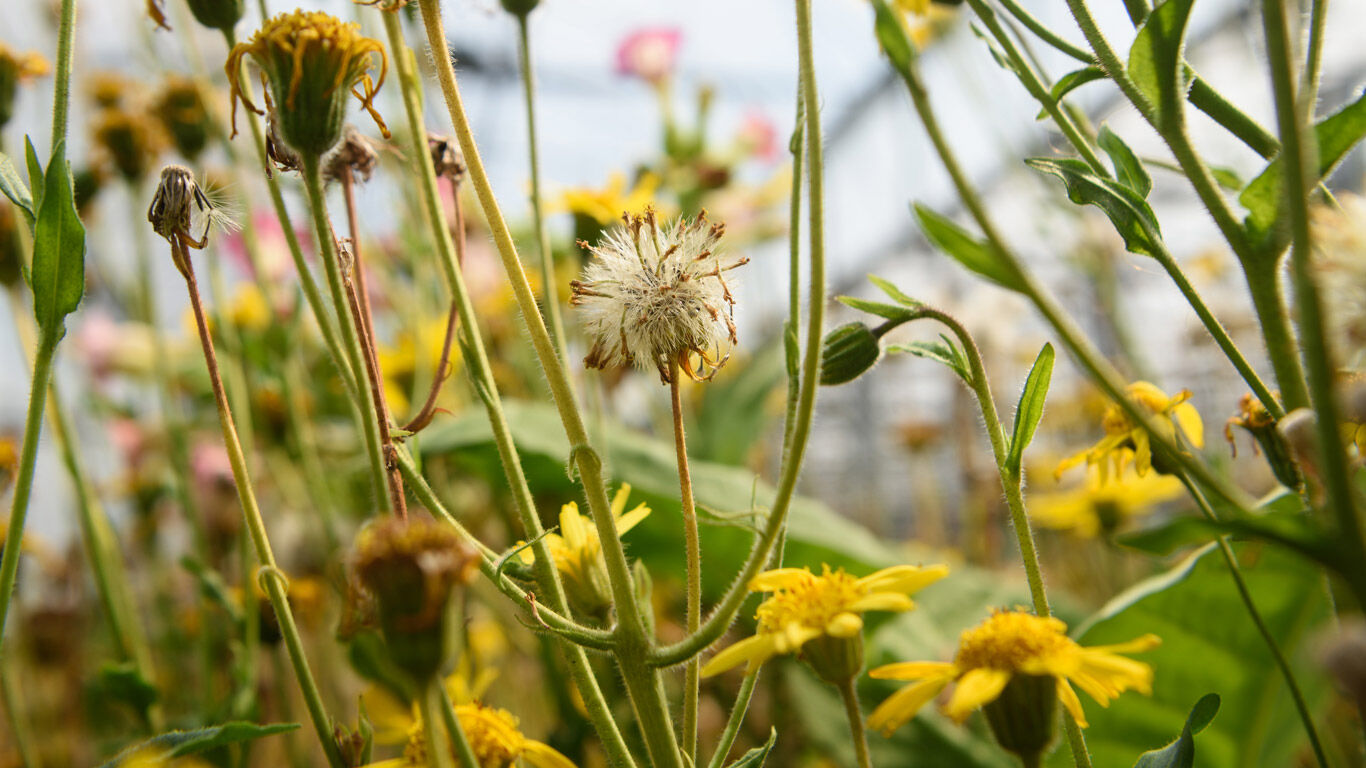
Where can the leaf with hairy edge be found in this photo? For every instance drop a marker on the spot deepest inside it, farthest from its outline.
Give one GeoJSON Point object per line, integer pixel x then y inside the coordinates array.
{"type": "Point", "coordinates": [58, 271]}
{"type": "Point", "coordinates": [183, 743]}
{"type": "Point", "coordinates": [1128, 168]}
{"type": "Point", "coordinates": [947, 353]}
{"type": "Point", "coordinates": [977, 255]}
{"type": "Point", "coordinates": [1030, 408]}
{"type": "Point", "coordinates": [1130, 213]}
{"type": "Point", "coordinates": [755, 757]}
{"type": "Point", "coordinates": [1155, 58]}
{"type": "Point", "coordinates": [1181, 753]}
{"type": "Point", "coordinates": [1070, 82]}
{"type": "Point", "coordinates": [14, 188]}
{"type": "Point", "coordinates": [1335, 135]}
{"type": "Point", "coordinates": [876, 308]}
{"type": "Point", "coordinates": [895, 293]}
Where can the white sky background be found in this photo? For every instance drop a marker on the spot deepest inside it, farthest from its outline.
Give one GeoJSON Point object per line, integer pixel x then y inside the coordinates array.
{"type": "Point", "coordinates": [593, 121]}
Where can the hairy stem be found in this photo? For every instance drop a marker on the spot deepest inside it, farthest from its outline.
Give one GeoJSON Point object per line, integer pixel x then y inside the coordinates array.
{"type": "Point", "coordinates": [692, 679]}
{"type": "Point", "coordinates": [857, 732]}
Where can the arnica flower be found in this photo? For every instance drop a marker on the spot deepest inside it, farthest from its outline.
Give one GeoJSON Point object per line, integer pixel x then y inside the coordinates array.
{"type": "Point", "coordinates": [606, 205]}
{"type": "Point", "coordinates": [494, 737]}
{"type": "Point", "coordinates": [649, 54]}
{"type": "Point", "coordinates": [310, 60]}
{"type": "Point", "coordinates": [807, 611]}
{"type": "Point", "coordinates": [577, 552]}
{"type": "Point", "coordinates": [1125, 440]}
{"type": "Point", "coordinates": [1102, 507]}
{"type": "Point", "coordinates": [16, 68]}
{"type": "Point", "coordinates": [654, 296]}
{"type": "Point", "coordinates": [1017, 666]}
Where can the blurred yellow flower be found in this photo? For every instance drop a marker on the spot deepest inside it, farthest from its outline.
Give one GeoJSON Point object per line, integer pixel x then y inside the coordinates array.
{"type": "Point", "coordinates": [1013, 644]}
{"type": "Point", "coordinates": [249, 309]}
{"type": "Point", "coordinates": [804, 607]}
{"type": "Point", "coordinates": [1126, 441]}
{"type": "Point", "coordinates": [606, 205]}
{"type": "Point", "coordinates": [1102, 506]}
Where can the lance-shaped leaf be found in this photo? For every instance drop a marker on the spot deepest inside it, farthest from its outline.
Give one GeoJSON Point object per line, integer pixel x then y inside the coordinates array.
{"type": "Point", "coordinates": [1030, 408]}
{"type": "Point", "coordinates": [1181, 753]}
{"type": "Point", "coordinates": [1335, 136]}
{"type": "Point", "coordinates": [755, 757]}
{"type": "Point", "coordinates": [973, 253]}
{"type": "Point", "coordinates": [947, 353]}
{"type": "Point", "coordinates": [1129, 169]}
{"type": "Point", "coordinates": [14, 188]}
{"type": "Point", "coordinates": [1070, 82]}
{"type": "Point", "coordinates": [892, 36]}
{"type": "Point", "coordinates": [58, 272]}
{"type": "Point", "coordinates": [1130, 213]}
{"type": "Point", "coordinates": [1155, 58]}
{"type": "Point", "coordinates": [183, 743]}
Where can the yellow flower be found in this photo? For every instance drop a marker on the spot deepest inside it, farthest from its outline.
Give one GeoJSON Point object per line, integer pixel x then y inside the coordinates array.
{"type": "Point", "coordinates": [249, 309]}
{"type": "Point", "coordinates": [493, 736]}
{"type": "Point", "coordinates": [804, 607]}
{"type": "Point", "coordinates": [16, 68]}
{"type": "Point", "coordinates": [1008, 645]}
{"type": "Point", "coordinates": [1125, 441]}
{"type": "Point", "coordinates": [310, 60]}
{"type": "Point", "coordinates": [1099, 506]}
{"type": "Point", "coordinates": [577, 551]}
{"type": "Point", "coordinates": [606, 205]}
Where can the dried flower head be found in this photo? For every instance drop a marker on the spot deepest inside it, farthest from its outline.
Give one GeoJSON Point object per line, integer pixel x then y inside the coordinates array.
{"type": "Point", "coordinates": [16, 68]}
{"type": "Point", "coordinates": [180, 108]}
{"type": "Point", "coordinates": [129, 139]}
{"type": "Point", "coordinates": [110, 89]}
{"type": "Point", "coordinates": [181, 208]}
{"type": "Point", "coordinates": [356, 154]}
{"type": "Point", "coordinates": [1340, 270]}
{"type": "Point", "coordinates": [278, 153]}
{"type": "Point", "coordinates": [446, 157]}
{"type": "Point", "coordinates": [656, 295]}
{"type": "Point", "coordinates": [310, 60]}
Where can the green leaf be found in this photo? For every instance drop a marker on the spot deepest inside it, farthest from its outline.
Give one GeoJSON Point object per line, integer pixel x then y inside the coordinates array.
{"type": "Point", "coordinates": [730, 414]}
{"type": "Point", "coordinates": [122, 682]}
{"type": "Point", "coordinates": [1226, 178]}
{"type": "Point", "coordinates": [1335, 135]}
{"type": "Point", "coordinates": [847, 352]}
{"type": "Point", "coordinates": [895, 293]}
{"type": "Point", "coordinates": [1295, 532]}
{"type": "Point", "coordinates": [947, 353]}
{"type": "Point", "coordinates": [1030, 409]}
{"type": "Point", "coordinates": [1155, 58]}
{"type": "Point", "coordinates": [892, 37]}
{"type": "Point", "coordinates": [1181, 753]}
{"type": "Point", "coordinates": [756, 757]}
{"type": "Point", "coordinates": [58, 271]}
{"type": "Point", "coordinates": [183, 743]}
{"type": "Point", "coordinates": [977, 255]}
{"type": "Point", "coordinates": [1127, 210]}
{"type": "Point", "coordinates": [14, 188]}
{"type": "Point", "coordinates": [1129, 169]}
{"type": "Point", "coordinates": [35, 174]}
{"type": "Point", "coordinates": [1070, 82]}
{"type": "Point", "coordinates": [888, 311]}
{"type": "Point", "coordinates": [1210, 644]}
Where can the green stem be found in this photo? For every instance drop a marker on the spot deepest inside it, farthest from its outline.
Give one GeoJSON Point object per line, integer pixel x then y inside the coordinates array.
{"type": "Point", "coordinates": [797, 146]}
{"type": "Point", "coordinates": [19, 724]}
{"type": "Point", "coordinates": [28, 458]}
{"type": "Point", "coordinates": [692, 678]}
{"type": "Point", "coordinates": [857, 732]}
{"type": "Point", "coordinates": [551, 300]}
{"type": "Point", "coordinates": [438, 754]}
{"type": "Point", "coordinates": [235, 374]}
{"type": "Point", "coordinates": [1298, 144]}
{"type": "Point", "coordinates": [454, 729]}
{"type": "Point", "coordinates": [733, 722]}
{"type": "Point", "coordinates": [271, 575]}
{"type": "Point", "coordinates": [477, 365]}
{"type": "Point", "coordinates": [355, 353]}
{"type": "Point", "coordinates": [1313, 59]}
{"type": "Point", "coordinates": [1288, 674]}
{"type": "Point", "coordinates": [61, 86]}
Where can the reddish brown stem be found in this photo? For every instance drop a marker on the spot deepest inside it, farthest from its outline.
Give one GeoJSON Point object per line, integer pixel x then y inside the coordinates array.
{"type": "Point", "coordinates": [428, 410]}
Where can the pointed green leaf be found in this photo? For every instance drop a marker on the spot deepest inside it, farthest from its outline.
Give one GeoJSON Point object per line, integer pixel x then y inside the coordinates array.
{"type": "Point", "coordinates": [1181, 753]}
{"type": "Point", "coordinates": [1030, 408]}
{"type": "Point", "coordinates": [977, 255]}
{"type": "Point", "coordinates": [946, 353]}
{"type": "Point", "coordinates": [35, 174]}
{"type": "Point", "coordinates": [1129, 169]}
{"type": "Point", "coordinates": [183, 743]}
{"type": "Point", "coordinates": [1130, 213]}
{"type": "Point", "coordinates": [888, 311]}
{"type": "Point", "coordinates": [892, 36]}
{"type": "Point", "coordinates": [14, 188]}
{"type": "Point", "coordinates": [58, 272]}
{"type": "Point", "coordinates": [755, 757]}
{"type": "Point", "coordinates": [1226, 178]}
{"type": "Point", "coordinates": [1335, 135]}
{"type": "Point", "coordinates": [1070, 82]}
{"type": "Point", "coordinates": [1155, 58]}
{"type": "Point", "coordinates": [895, 293]}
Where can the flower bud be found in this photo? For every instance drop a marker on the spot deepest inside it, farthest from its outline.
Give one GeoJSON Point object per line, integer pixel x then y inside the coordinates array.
{"type": "Point", "coordinates": [411, 566]}
{"type": "Point", "coordinates": [836, 660]}
{"type": "Point", "coordinates": [221, 15]}
{"type": "Point", "coordinates": [311, 60]}
{"type": "Point", "coordinates": [847, 352]}
{"type": "Point", "coordinates": [520, 7]}
{"type": "Point", "coordinates": [1021, 718]}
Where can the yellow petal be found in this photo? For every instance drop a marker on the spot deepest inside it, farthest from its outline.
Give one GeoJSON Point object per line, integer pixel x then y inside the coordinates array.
{"type": "Point", "coordinates": [1189, 419]}
{"type": "Point", "coordinates": [1069, 699]}
{"type": "Point", "coordinates": [755, 650]}
{"type": "Point", "coordinates": [914, 670]}
{"type": "Point", "coordinates": [396, 762]}
{"type": "Point", "coordinates": [629, 520]}
{"type": "Point", "coordinates": [619, 500]}
{"type": "Point", "coordinates": [902, 705]}
{"type": "Point", "coordinates": [844, 625]}
{"type": "Point", "coordinates": [525, 555]}
{"type": "Point", "coordinates": [1143, 452]}
{"type": "Point", "coordinates": [572, 526]}
{"type": "Point", "coordinates": [780, 578]}
{"type": "Point", "coordinates": [1137, 645]}
{"type": "Point", "coordinates": [542, 756]}
{"type": "Point", "coordinates": [904, 578]}
{"type": "Point", "coordinates": [977, 687]}
{"type": "Point", "coordinates": [390, 717]}
{"type": "Point", "coordinates": [882, 601]}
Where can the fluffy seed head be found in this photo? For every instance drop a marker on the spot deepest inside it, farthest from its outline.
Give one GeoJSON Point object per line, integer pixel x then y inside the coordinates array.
{"type": "Point", "coordinates": [181, 208]}
{"type": "Point", "coordinates": [656, 294]}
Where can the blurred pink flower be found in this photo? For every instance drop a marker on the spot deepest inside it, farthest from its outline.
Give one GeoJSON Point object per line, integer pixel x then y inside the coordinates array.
{"type": "Point", "coordinates": [129, 440]}
{"type": "Point", "coordinates": [210, 466]}
{"type": "Point", "coordinates": [276, 261]}
{"type": "Point", "coordinates": [758, 136]}
{"type": "Point", "coordinates": [97, 341]}
{"type": "Point", "coordinates": [649, 53]}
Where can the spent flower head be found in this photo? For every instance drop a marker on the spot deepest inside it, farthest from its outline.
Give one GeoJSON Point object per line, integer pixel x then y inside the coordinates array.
{"type": "Point", "coordinates": [1339, 267]}
{"type": "Point", "coordinates": [655, 295]}
{"type": "Point", "coordinates": [356, 155]}
{"type": "Point", "coordinates": [1125, 440]}
{"type": "Point", "coordinates": [129, 139]}
{"type": "Point", "coordinates": [310, 60]}
{"type": "Point", "coordinates": [180, 208]}
{"type": "Point", "coordinates": [1017, 666]}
